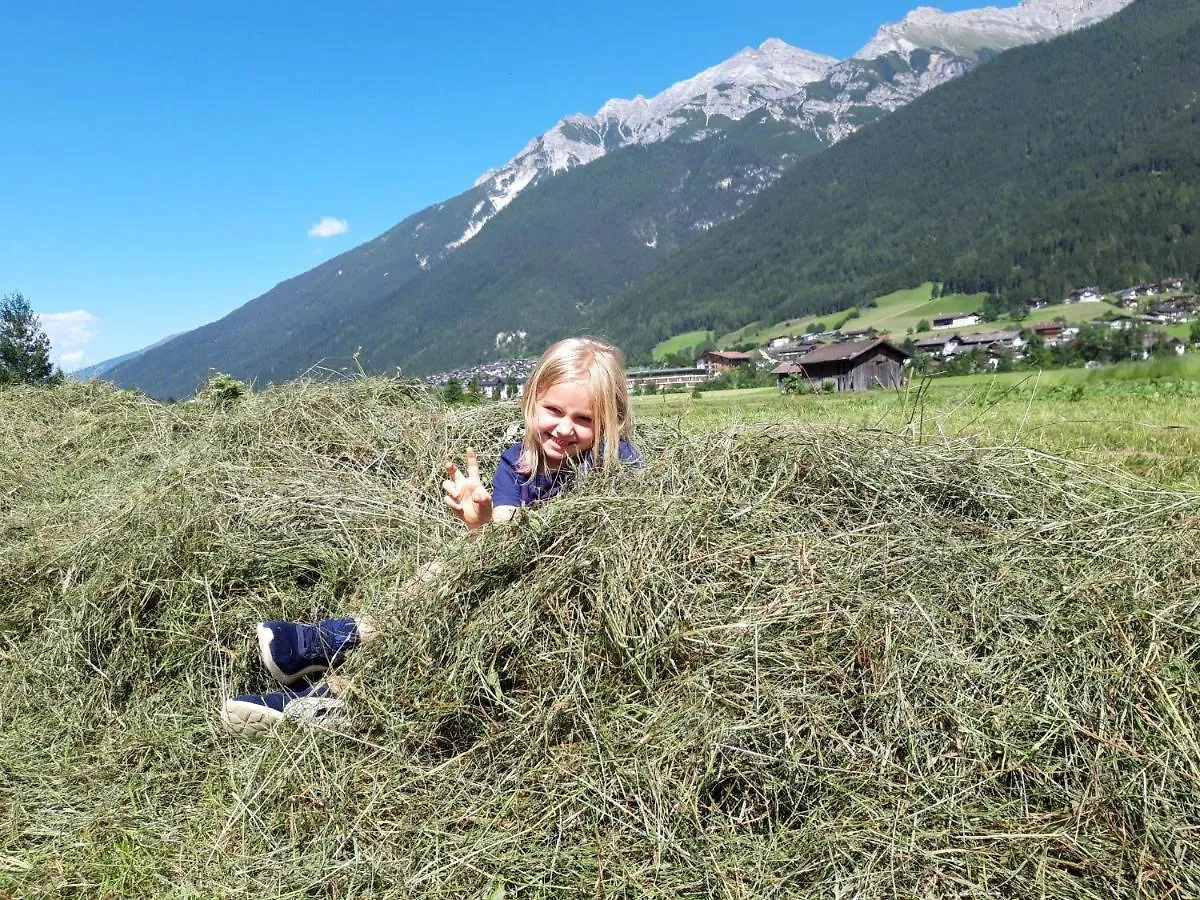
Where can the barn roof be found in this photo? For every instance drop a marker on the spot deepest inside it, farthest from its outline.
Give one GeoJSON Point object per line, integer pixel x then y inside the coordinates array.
{"type": "Point", "coordinates": [848, 350]}
{"type": "Point", "coordinates": [988, 337]}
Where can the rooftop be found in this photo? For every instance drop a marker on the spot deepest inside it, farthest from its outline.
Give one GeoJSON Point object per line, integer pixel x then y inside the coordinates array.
{"type": "Point", "coordinates": [848, 350]}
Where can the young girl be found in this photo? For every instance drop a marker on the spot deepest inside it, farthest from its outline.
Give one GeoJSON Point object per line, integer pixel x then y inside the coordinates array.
{"type": "Point", "coordinates": [577, 418]}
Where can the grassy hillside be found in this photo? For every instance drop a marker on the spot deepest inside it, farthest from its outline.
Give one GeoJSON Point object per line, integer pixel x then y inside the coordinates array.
{"type": "Point", "coordinates": [898, 312]}
{"type": "Point", "coordinates": [680, 343]}
{"type": "Point", "coordinates": [784, 659]}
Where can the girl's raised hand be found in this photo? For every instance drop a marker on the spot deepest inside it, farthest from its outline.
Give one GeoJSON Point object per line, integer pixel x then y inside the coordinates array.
{"type": "Point", "coordinates": [466, 495]}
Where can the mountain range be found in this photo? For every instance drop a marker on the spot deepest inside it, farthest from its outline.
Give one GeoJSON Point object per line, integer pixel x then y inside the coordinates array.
{"type": "Point", "coordinates": [1054, 166]}
{"type": "Point", "coordinates": [589, 207]}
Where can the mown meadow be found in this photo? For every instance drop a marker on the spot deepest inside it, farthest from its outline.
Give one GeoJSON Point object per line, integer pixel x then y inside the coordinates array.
{"type": "Point", "coordinates": [1142, 418]}
{"type": "Point", "coordinates": [943, 642]}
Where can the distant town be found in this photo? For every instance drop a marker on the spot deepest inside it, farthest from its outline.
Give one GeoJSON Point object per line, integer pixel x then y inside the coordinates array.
{"type": "Point", "coordinates": [861, 359]}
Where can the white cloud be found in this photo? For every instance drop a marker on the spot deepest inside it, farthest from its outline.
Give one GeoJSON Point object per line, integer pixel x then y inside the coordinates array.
{"type": "Point", "coordinates": [69, 333]}
{"type": "Point", "coordinates": [329, 227]}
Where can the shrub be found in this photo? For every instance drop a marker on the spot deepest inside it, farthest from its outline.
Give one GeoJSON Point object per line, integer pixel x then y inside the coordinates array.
{"type": "Point", "coordinates": [222, 389]}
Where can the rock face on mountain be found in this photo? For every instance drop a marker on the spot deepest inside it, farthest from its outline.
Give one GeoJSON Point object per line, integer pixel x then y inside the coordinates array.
{"type": "Point", "coordinates": [701, 151]}
{"type": "Point", "coordinates": [770, 77]}
{"type": "Point", "coordinates": [829, 97]}
{"type": "Point", "coordinates": [972, 31]}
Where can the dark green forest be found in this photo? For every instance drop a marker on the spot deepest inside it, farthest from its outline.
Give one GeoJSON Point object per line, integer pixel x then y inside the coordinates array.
{"type": "Point", "coordinates": [1056, 165]}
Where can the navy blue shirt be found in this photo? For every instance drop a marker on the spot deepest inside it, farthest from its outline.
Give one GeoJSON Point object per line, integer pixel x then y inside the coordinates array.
{"type": "Point", "coordinates": [512, 488]}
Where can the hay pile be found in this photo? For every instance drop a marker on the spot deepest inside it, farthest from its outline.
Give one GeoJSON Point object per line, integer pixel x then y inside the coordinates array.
{"type": "Point", "coordinates": [778, 662]}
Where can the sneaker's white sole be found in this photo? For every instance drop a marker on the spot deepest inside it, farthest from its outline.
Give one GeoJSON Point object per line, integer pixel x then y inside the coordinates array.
{"type": "Point", "coordinates": [253, 719]}
{"type": "Point", "coordinates": [248, 719]}
{"type": "Point", "coordinates": [265, 636]}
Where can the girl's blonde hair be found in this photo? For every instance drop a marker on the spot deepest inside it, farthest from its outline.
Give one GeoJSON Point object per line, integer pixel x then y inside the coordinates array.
{"type": "Point", "coordinates": [598, 366]}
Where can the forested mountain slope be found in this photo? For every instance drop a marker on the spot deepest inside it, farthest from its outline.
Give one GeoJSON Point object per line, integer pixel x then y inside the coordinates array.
{"type": "Point", "coordinates": [1060, 164]}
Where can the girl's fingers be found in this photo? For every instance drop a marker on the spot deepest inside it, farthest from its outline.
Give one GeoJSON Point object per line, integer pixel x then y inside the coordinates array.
{"type": "Point", "coordinates": [453, 504]}
{"type": "Point", "coordinates": [472, 464]}
{"type": "Point", "coordinates": [482, 498]}
{"type": "Point", "coordinates": [450, 488]}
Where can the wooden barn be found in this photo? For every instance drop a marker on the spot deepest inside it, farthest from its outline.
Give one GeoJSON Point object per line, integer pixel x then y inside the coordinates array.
{"type": "Point", "coordinates": [852, 366]}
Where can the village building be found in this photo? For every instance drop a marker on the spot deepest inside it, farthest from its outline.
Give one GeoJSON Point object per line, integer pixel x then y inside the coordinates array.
{"type": "Point", "coordinates": [1131, 294]}
{"type": "Point", "coordinates": [1055, 333]}
{"type": "Point", "coordinates": [1160, 341]}
{"type": "Point", "coordinates": [1089, 294]}
{"type": "Point", "coordinates": [792, 352]}
{"type": "Point", "coordinates": [1177, 310]}
{"type": "Point", "coordinates": [718, 361]}
{"type": "Point", "coordinates": [500, 380]}
{"type": "Point", "coordinates": [854, 366]}
{"type": "Point", "coordinates": [1010, 339]}
{"type": "Point", "coordinates": [957, 320]}
{"type": "Point", "coordinates": [860, 335]}
{"type": "Point", "coordinates": [659, 379]}
{"type": "Point", "coordinates": [940, 346]}
{"type": "Point", "coordinates": [1034, 303]}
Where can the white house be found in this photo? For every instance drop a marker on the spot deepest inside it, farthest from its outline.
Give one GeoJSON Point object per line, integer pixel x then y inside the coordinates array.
{"type": "Point", "coordinates": [958, 320]}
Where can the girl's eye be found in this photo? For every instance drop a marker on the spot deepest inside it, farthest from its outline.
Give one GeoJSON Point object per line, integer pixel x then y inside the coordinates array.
{"type": "Point", "coordinates": [585, 420]}
{"type": "Point", "coordinates": [553, 410]}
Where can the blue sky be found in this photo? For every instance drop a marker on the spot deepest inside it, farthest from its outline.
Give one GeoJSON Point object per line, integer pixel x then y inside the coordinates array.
{"type": "Point", "coordinates": [165, 163]}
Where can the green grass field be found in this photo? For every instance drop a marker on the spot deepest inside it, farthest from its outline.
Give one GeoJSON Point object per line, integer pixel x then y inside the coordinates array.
{"type": "Point", "coordinates": [680, 343]}
{"type": "Point", "coordinates": [1139, 417]}
{"type": "Point", "coordinates": [896, 313]}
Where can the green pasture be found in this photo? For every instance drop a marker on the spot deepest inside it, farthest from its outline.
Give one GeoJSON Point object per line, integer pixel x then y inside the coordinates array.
{"type": "Point", "coordinates": [1073, 313]}
{"type": "Point", "coordinates": [680, 343]}
{"type": "Point", "coordinates": [757, 333]}
{"type": "Point", "coordinates": [899, 312]}
{"type": "Point", "coordinates": [1142, 418]}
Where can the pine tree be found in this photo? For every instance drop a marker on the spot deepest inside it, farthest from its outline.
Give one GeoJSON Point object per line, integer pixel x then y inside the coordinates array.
{"type": "Point", "coordinates": [24, 347]}
{"type": "Point", "coordinates": [452, 392]}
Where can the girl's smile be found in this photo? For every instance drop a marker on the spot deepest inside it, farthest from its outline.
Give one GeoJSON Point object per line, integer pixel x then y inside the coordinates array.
{"type": "Point", "coordinates": [564, 422]}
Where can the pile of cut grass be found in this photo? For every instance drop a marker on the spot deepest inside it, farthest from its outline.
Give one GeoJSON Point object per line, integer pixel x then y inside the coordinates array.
{"type": "Point", "coordinates": [779, 661]}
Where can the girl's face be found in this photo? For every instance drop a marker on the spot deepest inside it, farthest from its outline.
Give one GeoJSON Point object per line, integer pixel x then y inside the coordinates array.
{"type": "Point", "coordinates": [564, 422]}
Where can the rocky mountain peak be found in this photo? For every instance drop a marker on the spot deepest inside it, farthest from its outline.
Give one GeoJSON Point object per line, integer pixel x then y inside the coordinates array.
{"type": "Point", "coordinates": [775, 77]}
{"type": "Point", "coordinates": [968, 32]}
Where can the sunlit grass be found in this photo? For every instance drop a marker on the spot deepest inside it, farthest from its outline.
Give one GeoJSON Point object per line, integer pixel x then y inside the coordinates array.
{"type": "Point", "coordinates": [1140, 417]}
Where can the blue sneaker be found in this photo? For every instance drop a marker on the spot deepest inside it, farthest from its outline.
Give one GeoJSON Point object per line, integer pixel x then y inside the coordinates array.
{"type": "Point", "coordinates": [293, 651]}
{"type": "Point", "coordinates": [253, 714]}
